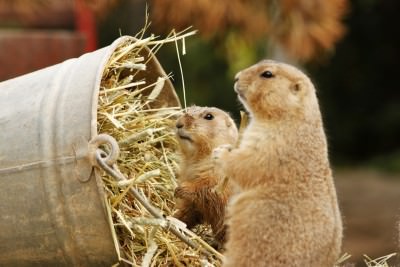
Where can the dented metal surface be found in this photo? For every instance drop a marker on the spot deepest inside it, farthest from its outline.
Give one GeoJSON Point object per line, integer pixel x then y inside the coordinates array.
{"type": "Point", "coordinates": [51, 207]}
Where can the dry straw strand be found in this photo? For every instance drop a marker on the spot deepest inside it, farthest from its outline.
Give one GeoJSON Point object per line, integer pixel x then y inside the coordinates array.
{"type": "Point", "coordinates": [378, 262]}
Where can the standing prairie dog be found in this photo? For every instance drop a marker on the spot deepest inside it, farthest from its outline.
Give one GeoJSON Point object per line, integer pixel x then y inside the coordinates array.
{"type": "Point", "coordinates": [200, 130]}
{"type": "Point", "coordinates": [287, 212]}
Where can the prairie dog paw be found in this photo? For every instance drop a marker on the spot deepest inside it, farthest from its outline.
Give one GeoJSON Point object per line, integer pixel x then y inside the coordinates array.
{"type": "Point", "coordinates": [179, 192]}
{"type": "Point", "coordinates": [222, 149]}
{"type": "Point", "coordinates": [184, 192]}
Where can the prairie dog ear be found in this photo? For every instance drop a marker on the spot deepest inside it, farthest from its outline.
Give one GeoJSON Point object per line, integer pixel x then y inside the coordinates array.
{"type": "Point", "coordinates": [228, 122]}
{"type": "Point", "coordinates": [296, 87]}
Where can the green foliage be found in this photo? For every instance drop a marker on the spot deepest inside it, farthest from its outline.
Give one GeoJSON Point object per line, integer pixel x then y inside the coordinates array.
{"type": "Point", "coordinates": [389, 163]}
{"type": "Point", "coordinates": [239, 53]}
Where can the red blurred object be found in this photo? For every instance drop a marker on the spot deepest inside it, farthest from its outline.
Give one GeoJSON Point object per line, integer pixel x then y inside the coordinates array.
{"type": "Point", "coordinates": [85, 23]}
{"type": "Point", "coordinates": [42, 34]}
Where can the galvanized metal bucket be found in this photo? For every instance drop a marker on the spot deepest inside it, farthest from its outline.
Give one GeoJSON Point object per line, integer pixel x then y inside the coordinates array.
{"type": "Point", "coordinates": [52, 208]}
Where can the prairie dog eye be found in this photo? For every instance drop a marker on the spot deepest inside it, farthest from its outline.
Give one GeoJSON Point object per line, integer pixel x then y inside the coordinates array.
{"type": "Point", "coordinates": [267, 74]}
{"type": "Point", "coordinates": [208, 116]}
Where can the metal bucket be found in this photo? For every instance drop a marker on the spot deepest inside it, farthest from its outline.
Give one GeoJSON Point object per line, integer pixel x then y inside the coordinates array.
{"type": "Point", "coordinates": [52, 208]}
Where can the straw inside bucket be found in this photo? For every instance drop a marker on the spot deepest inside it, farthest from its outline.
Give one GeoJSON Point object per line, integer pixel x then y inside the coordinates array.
{"type": "Point", "coordinates": [130, 110]}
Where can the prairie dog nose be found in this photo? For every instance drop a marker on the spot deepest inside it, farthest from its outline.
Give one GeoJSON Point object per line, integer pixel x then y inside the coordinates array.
{"type": "Point", "coordinates": [185, 120]}
{"type": "Point", "coordinates": [179, 124]}
{"type": "Point", "coordinates": [237, 76]}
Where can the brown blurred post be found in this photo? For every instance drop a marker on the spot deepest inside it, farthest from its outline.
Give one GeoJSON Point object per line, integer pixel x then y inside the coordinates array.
{"type": "Point", "coordinates": [25, 51]}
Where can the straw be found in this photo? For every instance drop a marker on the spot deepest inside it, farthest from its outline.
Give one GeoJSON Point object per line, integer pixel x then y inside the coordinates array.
{"type": "Point", "coordinates": [378, 262]}
{"type": "Point", "coordinates": [128, 112]}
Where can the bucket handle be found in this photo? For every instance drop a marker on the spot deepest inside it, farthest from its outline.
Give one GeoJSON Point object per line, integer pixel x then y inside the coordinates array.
{"type": "Point", "coordinates": [107, 162]}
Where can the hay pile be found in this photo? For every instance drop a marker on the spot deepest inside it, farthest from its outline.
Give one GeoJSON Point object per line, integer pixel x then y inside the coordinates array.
{"type": "Point", "coordinates": [128, 111]}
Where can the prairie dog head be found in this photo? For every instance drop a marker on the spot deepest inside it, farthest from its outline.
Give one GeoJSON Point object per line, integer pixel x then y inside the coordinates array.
{"type": "Point", "coordinates": [201, 129]}
{"type": "Point", "coordinates": [274, 90]}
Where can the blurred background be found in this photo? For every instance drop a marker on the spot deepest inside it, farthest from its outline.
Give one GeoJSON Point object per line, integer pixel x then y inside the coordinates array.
{"type": "Point", "coordinates": [350, 48]}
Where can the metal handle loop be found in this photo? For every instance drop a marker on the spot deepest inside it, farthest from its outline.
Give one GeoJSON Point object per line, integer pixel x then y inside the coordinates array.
{"type": "Point", "coordinates": [103, 139]}
{"type": "Point", "coordinates": [106, 161]}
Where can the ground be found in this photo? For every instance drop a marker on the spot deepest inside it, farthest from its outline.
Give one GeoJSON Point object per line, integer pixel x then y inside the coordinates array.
{"type": "Point", "coordinates": [370, 205]}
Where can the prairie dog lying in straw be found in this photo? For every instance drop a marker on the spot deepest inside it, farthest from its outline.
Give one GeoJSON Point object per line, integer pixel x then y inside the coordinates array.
{"type": "Point", "coordinates": [199, 130]}
{"type": "Point", "coordinates": [287, 212]}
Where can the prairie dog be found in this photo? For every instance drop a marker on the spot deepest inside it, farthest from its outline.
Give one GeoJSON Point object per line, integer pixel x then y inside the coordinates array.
{"type": "Point", "coordinates": [199, 131]}
{"type": "Point", "coordinates": [287, 212]}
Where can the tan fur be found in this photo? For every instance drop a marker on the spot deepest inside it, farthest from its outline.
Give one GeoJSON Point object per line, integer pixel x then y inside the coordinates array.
{"type": "Point", "coordinates": [199, 200]}
{"type": "Point", "coordinates": [287, 212]}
